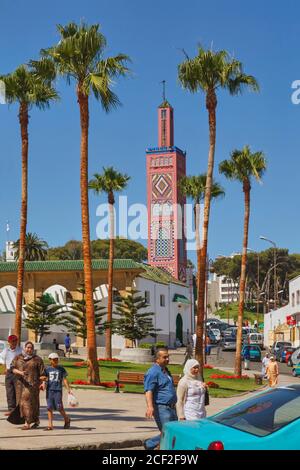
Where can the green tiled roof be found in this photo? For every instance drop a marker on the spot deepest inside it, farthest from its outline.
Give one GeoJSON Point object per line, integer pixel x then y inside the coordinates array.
{"type": "Point", "coordinates": [181, 299]}
{"type": "Point", "coordinates": [158, 275]}
{"type": "Point", "coordinates": [68, 265]}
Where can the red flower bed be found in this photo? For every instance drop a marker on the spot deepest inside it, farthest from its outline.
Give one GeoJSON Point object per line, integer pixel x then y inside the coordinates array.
{"type": "Point", "coordinates": [212, 385]}
{"type": "Point", "coordinates": [80, 364]}
{"type": "Point", "coordinates": [101, 384]}
{"type": "Point", "coordinates": [225, 376]}
{"type": "Point", "coordinates": [207, 366]}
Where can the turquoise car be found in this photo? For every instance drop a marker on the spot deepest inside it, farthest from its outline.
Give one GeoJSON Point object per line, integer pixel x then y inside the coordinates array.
{"type": "Point", "coordinates": [268, 421]}
{"type": "Point", "coordinates": [254, 352]}
{"type": "Point", "coordinates": [296, 370]}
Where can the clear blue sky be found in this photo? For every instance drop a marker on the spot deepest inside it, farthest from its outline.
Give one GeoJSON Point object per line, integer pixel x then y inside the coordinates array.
{"type": "Point", "coordinates": [263, 35]}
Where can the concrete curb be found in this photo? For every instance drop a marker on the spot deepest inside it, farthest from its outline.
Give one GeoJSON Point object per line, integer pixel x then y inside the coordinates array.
{"type": "Point", "coordinates": [102, 446]}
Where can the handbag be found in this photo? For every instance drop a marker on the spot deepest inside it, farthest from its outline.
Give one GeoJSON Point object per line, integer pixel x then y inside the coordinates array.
{"type": "Point", "coordinates": [206, 400]}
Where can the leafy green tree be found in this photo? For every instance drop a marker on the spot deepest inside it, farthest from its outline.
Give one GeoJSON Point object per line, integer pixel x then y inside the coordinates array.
{"type": "Point", "coordinates": [29, 87]}
{"type": "Point", "coordinates": [123, 248]}
{"type": "Point", "coordinates": [133, 324]}
{"type": "Point", "coordinates": [75, 318]}
{"type": "Point", "coordinates": [79, 56]}
{"type": "Point", "coordinates": [243, 166]}
{"type": "Point", "coordinates": [109, 182]}
{"type": "Point", "coordinates": [71, 250]}
{"type": "Point", "coordinates": [208, 72]}
{"type": "Point", "coordinates": [36, 249]}
{"type": "Point", "coordinates": [41, 315]}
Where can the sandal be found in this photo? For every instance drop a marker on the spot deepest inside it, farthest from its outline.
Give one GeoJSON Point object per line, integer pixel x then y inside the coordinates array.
{"type": "Point", "coordinates": [25, 428]}
{"type": "Point", "coordinates": [67, 424]}
{"type": "Point", "coordinates": [35, 426]}
{"type": "Point", "coordinates": [49, 428]}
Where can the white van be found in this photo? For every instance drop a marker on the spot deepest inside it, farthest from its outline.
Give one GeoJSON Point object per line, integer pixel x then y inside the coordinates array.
{"type": "Point", "coordinates": [256, 338]}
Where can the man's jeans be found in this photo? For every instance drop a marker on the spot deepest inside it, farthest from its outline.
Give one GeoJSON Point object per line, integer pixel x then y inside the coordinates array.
{"type": "Point", "coordinates": [162, 414]}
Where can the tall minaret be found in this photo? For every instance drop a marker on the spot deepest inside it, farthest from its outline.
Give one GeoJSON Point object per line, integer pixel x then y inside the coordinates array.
{"type": "Point", "coordinates": [165, 166]}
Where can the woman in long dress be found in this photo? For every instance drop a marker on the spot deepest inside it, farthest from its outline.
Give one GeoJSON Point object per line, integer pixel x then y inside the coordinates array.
{"type": "Point", "coordinates": [272, 372]}
{"type": "Point", "coordinates": [29, 370]}
{"type": "Point", "coordinates": [191, 393]}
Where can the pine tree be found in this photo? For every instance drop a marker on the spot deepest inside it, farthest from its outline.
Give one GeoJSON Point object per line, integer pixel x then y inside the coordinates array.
{"type": "Point", "coordinates": [133, 324]}
{"type": "Point", "coordinates": [41, 315]}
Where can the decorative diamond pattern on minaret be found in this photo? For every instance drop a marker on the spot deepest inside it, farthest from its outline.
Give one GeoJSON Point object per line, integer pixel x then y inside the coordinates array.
{"type": "Point", "coordinates": [161, 186]}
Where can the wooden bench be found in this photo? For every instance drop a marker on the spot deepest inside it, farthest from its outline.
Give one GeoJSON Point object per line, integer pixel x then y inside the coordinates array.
{"type": "Point", "coordinates": [136, 378]}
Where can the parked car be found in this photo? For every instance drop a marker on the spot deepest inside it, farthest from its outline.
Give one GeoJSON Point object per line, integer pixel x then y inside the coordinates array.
{"type": "Point", "coordinates": [296, 370]}
{"type": "Point", "coordinates": [223, 327]}
{"type": "Point", "coordinates": [211, 336]}
{"type": "Point", "coordinates": [214, 321]}
{"type": "Point", "coordinates": [228, 344]}
{"type": "Point", "coordinates": [269, 420]}
{"type": "Point", "coordinates": [255, 338]}
{"type": "Point", "coordinates": [278, 344]}
{"type": "Point", "coordinates": [285, 353]}
{"type": "Point", "coordinates": [230, 331]}
{"type": "Point", "coordinates": [294, 358]}
{"type": "Point", "coordinates": [216, 333]}
{"type": "Point", "coordinates": [254, 352]}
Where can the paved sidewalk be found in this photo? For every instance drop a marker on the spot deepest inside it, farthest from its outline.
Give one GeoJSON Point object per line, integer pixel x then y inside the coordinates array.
{"type": "Point", "coordinates": [104, 420]}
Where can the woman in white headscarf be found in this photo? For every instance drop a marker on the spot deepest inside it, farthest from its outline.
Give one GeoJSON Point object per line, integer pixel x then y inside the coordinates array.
{"type": "Point", "coordinates": [191, 393]}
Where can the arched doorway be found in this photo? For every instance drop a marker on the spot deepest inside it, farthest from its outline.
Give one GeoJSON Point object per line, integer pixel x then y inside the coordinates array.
{"type": "Point", "coordinates": [179, 325]}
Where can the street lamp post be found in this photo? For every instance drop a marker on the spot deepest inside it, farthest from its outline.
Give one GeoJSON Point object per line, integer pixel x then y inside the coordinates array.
{"type": "Point", "coordinates": [258, 288]}
{"type": "Point", "coordinates": [275, 274]}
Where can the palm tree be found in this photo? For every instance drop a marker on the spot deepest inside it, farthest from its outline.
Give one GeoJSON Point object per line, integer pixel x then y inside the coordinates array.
{"type": "Point", "coordinates": [28, 88]}
{"type": "Point", "coordinates": [242, 166]}
{"type": "Point", "coordinates": [36, 249]}
{"type": "Point", "coordinates": [109, 182]}
{"type": "Point", "coordinates": [208, 72]}
{"type": "Point", "coordinates": [194, 188]}
{"type": "Point", "coordinates": [79, 56]}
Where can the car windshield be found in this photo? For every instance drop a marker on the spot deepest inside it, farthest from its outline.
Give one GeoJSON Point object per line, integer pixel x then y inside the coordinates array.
{"type": "Point", "coordinates": [282, 345]}
{"type": "Point", "coordinates": [263, 414]}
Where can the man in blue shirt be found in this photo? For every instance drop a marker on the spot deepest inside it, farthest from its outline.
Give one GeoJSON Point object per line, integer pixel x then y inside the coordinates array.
{"type": "Point", "coordinates": [160, 395]}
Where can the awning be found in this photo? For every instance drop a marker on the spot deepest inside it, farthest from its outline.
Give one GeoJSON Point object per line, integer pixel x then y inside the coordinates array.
{"type": "Point", "coordinates": [181, 299]}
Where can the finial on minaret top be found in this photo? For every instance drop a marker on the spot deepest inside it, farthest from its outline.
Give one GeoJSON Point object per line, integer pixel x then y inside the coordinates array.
{"type": "Point", "coordinates": [165, 103]}
{"type": "Point", "coordinates": [165, 121]}
{"type": "Point", "coordinates": [164, 90]}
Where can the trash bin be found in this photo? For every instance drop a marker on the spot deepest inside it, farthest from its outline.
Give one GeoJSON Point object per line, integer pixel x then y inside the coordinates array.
{"type": "Point", "coordinates": [258, 379]}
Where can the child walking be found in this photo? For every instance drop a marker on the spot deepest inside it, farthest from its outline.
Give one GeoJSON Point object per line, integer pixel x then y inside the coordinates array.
{"type": "Point", "coordinates": [55, 377]}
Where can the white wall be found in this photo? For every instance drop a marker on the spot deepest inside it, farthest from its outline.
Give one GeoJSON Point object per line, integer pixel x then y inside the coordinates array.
{"type": "Point", "coordinates": [274, 319]}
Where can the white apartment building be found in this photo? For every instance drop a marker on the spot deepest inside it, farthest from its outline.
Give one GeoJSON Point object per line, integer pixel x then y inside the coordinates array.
{"type": "Point", "coordinates": [283, 324]}
{"type": "Point", "coordinates": [221, 290]}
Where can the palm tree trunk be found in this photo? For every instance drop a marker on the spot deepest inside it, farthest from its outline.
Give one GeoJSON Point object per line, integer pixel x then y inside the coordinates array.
{"type": "Point", "coordinates": [238, 368]}
{"type": "Point", "coordinates": [108, 352]}
{"type": "Point", "coordinates": [23, 119]}
{"type": "Point", "coordinates": [211, 104]}
{"type": "Point", "coordinates": [93, 367]}
{"type": "Point", "coordinates": [198, 249]}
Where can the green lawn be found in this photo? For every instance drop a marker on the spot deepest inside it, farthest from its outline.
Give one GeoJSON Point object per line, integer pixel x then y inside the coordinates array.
{"type": "Point", "coordinates": [109, 370]}
{"type": "Point", "coordinates": [108, 373]}
{"type": "Point", "coordinates": [233, 309]}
